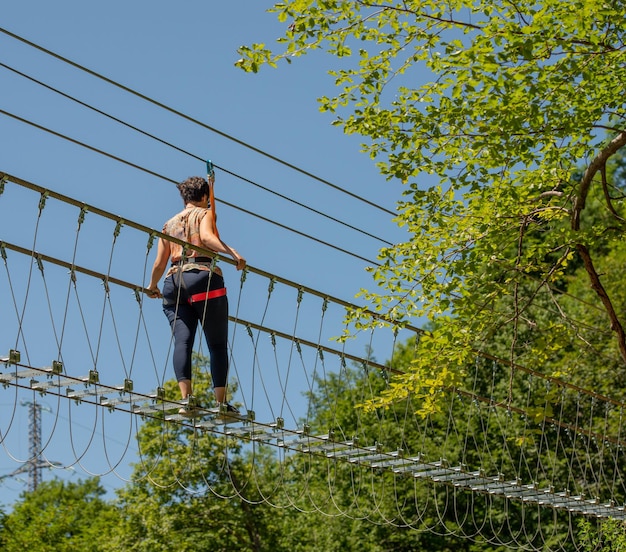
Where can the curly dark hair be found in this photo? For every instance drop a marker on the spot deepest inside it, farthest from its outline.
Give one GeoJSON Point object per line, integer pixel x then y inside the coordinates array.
{"type": "Point", "coordinates": [193, 189]}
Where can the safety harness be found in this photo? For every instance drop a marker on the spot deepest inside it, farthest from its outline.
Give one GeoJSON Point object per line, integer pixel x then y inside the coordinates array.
{"type": "Point", "coordinates": [214, 293]}
{"type": "Point", "coordinates": [205, 296]}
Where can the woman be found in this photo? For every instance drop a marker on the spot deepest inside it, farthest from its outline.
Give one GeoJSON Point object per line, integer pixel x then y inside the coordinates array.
{"type": "Point", "coordinates": [193, 290]}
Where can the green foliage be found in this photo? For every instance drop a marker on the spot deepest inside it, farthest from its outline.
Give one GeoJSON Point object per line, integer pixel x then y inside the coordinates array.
{"type": "Point", "coordinates": [376, 509]}
{"type": "Point", "coordinates": [192, 489]}
{"type": "Point", "coordinates": [607, 536]}
{"type": "Point", "coordinates": [60, 516]}
{"type": "Point", "coordinates": [486, 111]}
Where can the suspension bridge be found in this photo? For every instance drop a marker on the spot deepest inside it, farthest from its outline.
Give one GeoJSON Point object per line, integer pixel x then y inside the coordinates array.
{"type": "Point", "coordinates": [77, 329]}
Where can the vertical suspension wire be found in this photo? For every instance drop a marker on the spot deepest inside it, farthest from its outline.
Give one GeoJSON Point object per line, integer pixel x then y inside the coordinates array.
{"type": "Point", "coordinates": [588, 452]}
{"type": "Point", "coordinates": [420, 440]}
{"type": "Point", "coordinates": [574, 436]}
{"type": "Point", "coordinates": [141, 320]}
{"type": "Point", "coordinates": [34, 258]}
{"type": "Point", "coordinates": [179, 286]}
{"type": "Point", "coordinates": [284, 385]}
{"type": "Point", "coordinates": [74, 282]}
{"type": "Point", "coordinates": [106, 294]}
{"type": "Point", "coordinates": [112, 464]}
{"type": "Point", "coordinates": [463, 500]}
{"type": "Point", "coordinates": [407, 419]}
{"type": "Point", "coordinates": [256, 361]}
{"type": "Point", "coordinates": [470, 409]}
{"type": "Point", "coordinates": [361, 380]}
{"type": "Point", "coordinates": [233, 336]}
{"type": "Point", "coordinates": [482, 448]}
{"type": "Point", "coordinates": [549, 424]}
{"type": "Point", "coordinates": [380, 415]}
{"type": "Point", "coordinates": [49, 305]}
{"type": "Point", "coordinates": [284, 403]}
{"type": "Point", "coordinates": [601, 444]}
{"type": "Point", "coordinates": [596, 440]}
{"type": "Point", "coordinates": [54, 330]}
{"type": "Point", "coordinates": [243, 488]}
{"type": "Point", "coordinates": [525, 435]}
{"type": "Point", "coordinates": [522, 471]}
{"type": "Point", "coordinates": [313, 382]}
{"type": "Point", "coordinates": [384, 435]}
{"type": "Point", "coordinates": [486, 501]}
{"type": "Point", "coordinates": [78, 456]}
{"type": "Point", "coordinates": [337, 432]}
{"type": "Point", "coordinates": [538, 438]}
{"type": "Point", "coordinates": [315, 376]}
{"type": "Point", "coordinates": [571, 481]}
{"type": "Point", "coordinates": [618, 449]}
{"type": "Point", "coordinates": [71, 279]}
{"type": "Point", "coordinates": [486, 415]}
{"type": "Point", "coordinates": [455, 415]}
{"type": "Point", "coordinates": [498, 535]}
{"type": "Point", "coordinates": [543, 450]}
{"type": "Point", "coordinates": [284, 498]}
{"type": "Point", "coordinates": [42, 203]}
{"type": "Point", "coordinates": [434, 514]}
{"type": "Point", "coordinates": [13, 415]}
{"type": "Point", "coordinates": [413, 428]}
{"type": "Point", "coordinates": [505, 421]}
{"type": "Point", "coordinates": [301, 499]}
{"type": "Point", "coordinates": [560, 426]}
{"type": "Point", "coordinates": [149, 469]}
{"type": "Point", "coordinates": [116, 334]}
{"type": "Point", "coordinates": [572, 485]}
{"type": "Point", "coordinates": [442, 509]}
{"type": "Point", "coordinates": [549, 428]}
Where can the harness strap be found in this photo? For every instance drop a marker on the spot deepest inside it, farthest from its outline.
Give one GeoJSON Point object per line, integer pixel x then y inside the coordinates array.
{"type": "Point", "coordinates": [205, 296]}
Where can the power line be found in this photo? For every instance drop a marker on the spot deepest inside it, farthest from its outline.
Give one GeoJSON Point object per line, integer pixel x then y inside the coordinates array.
{"type": "Point", "coordinates": [169, 144]}
{"type": "Point", "coordinates": [201, 159]}
{"type": "Point", "coordinates": [186, 152]}
{"type": "Point", "coordinates": [167, 179]}
{"type": "Point", "coordinates": [194, 120]}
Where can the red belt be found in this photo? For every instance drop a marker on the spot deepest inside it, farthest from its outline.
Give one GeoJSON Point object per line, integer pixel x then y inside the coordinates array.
{"type": "Point", "coordinates": [205, 296]}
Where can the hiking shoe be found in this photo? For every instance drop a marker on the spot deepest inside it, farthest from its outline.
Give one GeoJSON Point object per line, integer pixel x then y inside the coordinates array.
{"type": "Point", "coordinates": [227, 410]}
{"type": "Point", "coordinates": [189, 411]}
{"type": "Point", "coordinates": [189, 408]}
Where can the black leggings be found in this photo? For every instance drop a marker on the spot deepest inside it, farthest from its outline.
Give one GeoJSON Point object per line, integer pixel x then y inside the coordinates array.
{"type": "Point", "coordinates": [184, 318]}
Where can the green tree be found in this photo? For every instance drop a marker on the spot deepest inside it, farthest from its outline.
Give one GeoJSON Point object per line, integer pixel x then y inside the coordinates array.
{"type": "Point", "coordinates": [349, 506]}
{"type": "Point", "coordinates": [611, 536]}
{"type": "Point", "coordinates": [194, 489]}
{"type": "Point", "coordinates": [60, 516]}
{"type": "Point", "coordinates": [382, 512]}
{"type": "Point", "coordinates": [486, 110]}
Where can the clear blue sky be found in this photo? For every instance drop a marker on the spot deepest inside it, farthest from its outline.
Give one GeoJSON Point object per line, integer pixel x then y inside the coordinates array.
{"type": "Point", "coordinates": [182, 55]}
